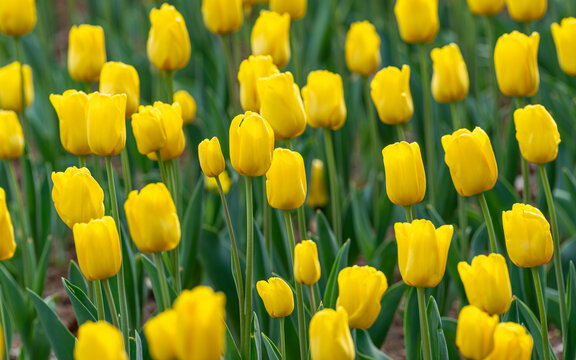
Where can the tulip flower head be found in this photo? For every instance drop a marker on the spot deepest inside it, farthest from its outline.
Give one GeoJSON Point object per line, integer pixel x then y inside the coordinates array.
{"type": "Point", "coordinates": [516, 63]}
{"type": "Point", "coordinates": [537, 134]}
{"type": "Point", "coordinates": [565, 40]}
{"type": "Point", "coordinates": [306, 264]}
{"type": "Point", "coordinates": [7, 243]}
{"type": "Point", "coordinates": [149, 130]}
{"type": "Point", "coordinates": [362, 48]}
{"type": "Point", "coordinates": [330, 337]}
{"type": "Point", "coordinates": [86, 52]}
{"type": "Point", "coordinates": [277, 297]}
{"type": "Point", "coordinates": [324, 100]}
{"type": "Point", "coordinates": [99, 340]}
{"type": "Point", "coordinates": [511, 341]}
{"type": "Point", "coordinates": [168, 45]}
{"type": "Point", "coordinates": [252, 69]}
{"type": "Point", "coordinates": [211, 159]}
{"type": "Point", "coordinates": [405, 177]}
{"type": "Point", "coordinates": [171, 118]}
{"type": "Point", "coordinates": [286, 180]}
{"type": "Point", "coordinates": [17, 17]}
{"type": "Point", "coordinates": [450, 80]}
{"type": "Point", "coordinates": [11, 89]}
{"type": "Point", "coordinates": [390, 90]}
{"type": "Point", "coordinates": [485, 7]}
{"type": "Point", "coordinates": [526, 10]}
{"type": "Point", "coordinates": [106, 123]}
{"type": "Point", "coordinates": [161, 334]}
{"type": "Point", "coordinates": [417, 20]}
{"type": "Point", "coordinates": [119, 78]}
{"type": "Point", "coordinates": [271, 36]}
{"type": "Point", "coordinates": [222, 16]}
{"type": "Point", "coordinates": [187, 104]}
{"type": "Point", "coordinates": [71, 110]}
{"type": "Point", "coordinates": [475, 332]}
{"type": "Point", "coordinates": [318, 195]}
{"type": "Point", "coordinates": [295, 8]}
{"type": "Point", "coordinates": [11, 136]}
{"type": "Point", "coordinates": [251, 144]}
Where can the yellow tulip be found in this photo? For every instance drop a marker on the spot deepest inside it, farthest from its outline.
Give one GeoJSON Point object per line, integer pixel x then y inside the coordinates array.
{"type": "Point", "coordinates": [306, 264]}
{"type": "Point", "coordinates": [211, 159]}
{"type": "Point", "coordinates": [565, 40]}
{"type": "Point", "coordinates": [17, 17]}
{"type": "Point", "coordinates": [422, 252]}
{"type": "Point", "coordinates": [149, 131]}
{"type": "Point", "coordinates": [106, 123]}
{"type": "Point", "coordinates": [77, 196]}
{"type": "Point", "coordinates": [11, 89]}
{"type": "Point", "coordinates": [537, 134]}
{"type": "Point", "coordinates": [171, 116]}
{"type": "Point", "coordinates": [252, 69]}
{"type": "Point", "coordinates": [98, 248]}
{"type": "Point", "coordinates": [324, 100]}
{"type": "Point", "coordinates": [485, 7]}
{"type": "Point", "coordinates": [516, 62]}
{"type": "Point", "coordinates": [152, 219]}
{"type": "Point", "coordinates": [390, 90]}
{"type": "Point", "coordinates": [160, 332]}
{"type": "Point", "coordinates": [475, 332]}
{"type": "Point", "coordinates": [168, 45]}
{"type": "Point", "coordinates": [417, 20]}
{"type": "Point", "coordinates": [360, 291]}
{"type": "Point", "coordinates": [200, 325]}
{"type": "Point", "coordinates": [405, 177]}
{"type": "Point", "coordinates": [286, 180]}
{"type": "Point", "coordinates": [528, 237]}
{"type": "Point", "coordinates": [295, 8]}
{"type": "Point", "coordinates": [271, 36]}
{"type": "Point", "coordinates": [86, 52]}
{"type": "Point", "coordinates": [471, 161]}
{"type": "Point", "coordinates": [330, 337]}
{"type": "Point", "coordinates": [119, 78]}
{"type": "Point", "coordinates": [526, 10]}
{"type": "Point", "coordinates": [318, 195]}
{"type": "Point", "coordinates": [251, 144]}
{"type": "Point", "coordinates": [511, 341]}
{"type": "Point", "coordinates": [362, 48]}
{"type": "Point", "coordinates": [276, 296]}
{"type": "Point", "coordinates": [487, 283]}
{"type": "Point", "coordinates": [222, 16]}
{"type": "Point", "coordinates": [225, 181]}
{"type": "Point", "coordinates": [7, 245]}
{"type": "Point", "coordinates": [188, 105]}
{"type": "Point", "coordinates": [11, 136]}
{"type": "Point", "coordinates": [450, 80]}
{"type": "Point", "coordinates": [71, 110]}
{"type": "Point", "coordinates": [99, 340]}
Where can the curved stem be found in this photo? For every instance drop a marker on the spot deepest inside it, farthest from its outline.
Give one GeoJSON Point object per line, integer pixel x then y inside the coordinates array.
{"type": "Point", "coordinates": [111, 303]}
{"type": "Point", "coordinates": [376, 152]}
{"type": "Point", "coordinates": [245, 346]}
{"type": "Point", "coordinates": [99, 301]}
{"type": "Point", "coordinates": [489, 224]}
{"type": "Point", "coordinates": [282, 339]}
{"type": "Point", "coordinates": [542, 310]}
{"type": "Point", "coordinates": [165, 303]}
{"type": "Point", "coordinates": [428, 127]}
{"type": "Point", "coordinates": [333, 186]}
{"type": "Point", "coordinates": [425, 332]}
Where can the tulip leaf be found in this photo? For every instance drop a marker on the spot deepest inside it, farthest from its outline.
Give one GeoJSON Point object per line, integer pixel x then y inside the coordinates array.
{"type": "Point", "coordinates": [232, 352]}
{"type": "Point", "coordinates": [362, 227]}
{"type": "Point", "coordinates": [136, 347]}
{"type": "Point", "coordinates": [331, 293]}
{"type": "Point", "coordinates": [366, 348]}
{"type": "Point", "coordinates": [449, 326]}
{"type": "Point", "coordinates": [41, 267]}
{"type": "Point", "coordinates": [533, 326]}
{"type": "Point", "coordinates": [389, 305]}
{"type": "Point", "coordinates": [191, 228]}
{"type": "Point", "coordinates": [412, 325]}
{"type": "Point", "coordinates": [14, 298]}
{"type": "Point", "coordinates": [271, 349]}
{"type": "Point", "coordinates": [76, 278]}
{"type": "Point", "coordinates": [438, 343]}
{"type": "Point", "coordinates": [442, 346]}
{"type": "Point", "coordinates": [256, 340]}
{"type": "Point", "coordinates": [513, 314]}
{"type": "Point", "coordinates": [570, 352]}
{"type": "Point", "coordinates": [83, 308]}
{"type": "Point", "coordinates": [152, 272]}
{"type": "Point", "coordinates": [327, 245]}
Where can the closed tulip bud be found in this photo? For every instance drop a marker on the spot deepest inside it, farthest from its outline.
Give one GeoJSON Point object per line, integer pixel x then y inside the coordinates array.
{"type": "Point", "coordinates": [17, 17]}
{"type": "Point", "coordinates": [11, 136]}
{"type": "Point", "coordinates": [211, 159]}
{"type": "Point", "coordinates": [171, 116]}
{"type": "Point", "coordinates": [77, 196]}
{"type": "Point", "coordinates": [450, 80]}
{"type": "Point", "coordinates": [405, 177]}
{"type": "Point", "coordinates": [528, 237]}
{"type": "Point", "coordinates": [11, 89]}
{"type": "Point", "coordinates": [485, 7]}
{"type": "Point", "coordinates": [119, 78]}
{"type": "Point", "coordinates": [487, 283]}
{"type": "Point", "coordinates": [7, 245]}
{"type": "Point", "coordinates": [276, 296]}
{"type": "Point", "coordinates": [362, 48]}
{"type": "Point", "coordinates": [324, 100]}
{"type": "Point", "coordinates": [225, 181]}
{"type": "Point", "coordinates": [417, 20]}
{"type": "Point", "coordinates": [98, 248]}
{"type": "Point", "coordinates": [252, 69]}
{"type": "Point", "coordinates": [86, 52]}
{"type": "Point", "coordinates": [99, 340]}
{"type": "Point", "coordinates": [516, 62]}
{"type": "Point", "coordinates": [251, 144]}
{"type": "Point", "coordinates": [511, 341]}
{"type": "Point", "coordinates": [222, 16]}
{"type": "Point", "coordinates": [360, 291]}
{"type": "Point", "coordinates": [106, 123]}
{"type": "Point", "coordinates": [187, 104]}
{"type": "Point", "coordinates": [168, 45]}
{"type": "Point", "coordinates": [271, 36]}
{"type": "Point", "coordinates": [330, 337]}
{"type": "Point", "coordinates": [422, 252]}
{"type": "Point", "coordinates": [318, 195]}
{"type": "Point", "coordinates": [306, 264]}
{"type": "Point", "coordinates": [390, 90]}
{"type": "Point", "coordinates": [471, 161]}
{"type": "Point", "coordinates": [286, 180]}
{"type": "Point", "coordinates": [526, 10]}
{"type": "Point", "coordinates": [296, 8]}
{"type": "Point", "coordinates": [200, 325]}
{"type": "Point", "coordinates": [565, 40]}
{"type": "Point", "coordinates": [160, 332]}
{"type": "Point", "coordinates": [152, 219]}
{"type": "Point", "coordinates": [537, 134]}
{"type": "Point", "coordinates": [475, 332]}
{"type": "Point", "coordinates": [149, 130]}
{"type": "Point", "coordinates": [71, 110]}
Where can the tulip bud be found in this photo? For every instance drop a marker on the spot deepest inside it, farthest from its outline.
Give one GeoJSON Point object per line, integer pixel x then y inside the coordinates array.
{"type": "Point", "coordinates": [317, 196]}
{"type": "Point", "coordinates": [7, 245]}
{"type": "Point", "coordinates": [286, 180]}
{"type": "Point", "coordinates": [324, 100]}
{"type": "Point", "coordinates": [516, 62]}
{"type": "Point", "coordinates": [222, 16]}
{"type": "Point", "coordinates": [86, 52]}
{"type": "Point", "coordinates": [281, 105]}
{"type": "Point", "coordinates": [485, 7]}
{"type": "Point", "coordinates": [405, 177]}
{"type": "Point", "coordinates": [450, 80]}
{"type": "Point", "coordinates": [160, 332]}
{"type": "Point", "coordinates": [119, 78]}
{"type": "Point", "coordinates": [211, 159]}
{"type": "Point", "coordinates": [17, 17]}
{"type": "Point", "coordinates": [526, 10]}
{"type": "Point", "coordinates": [187, 104]}
{"type": "Point", "coordinates": [511, 341]}
{"type": "Point", "coordinates": [225, 181]}
{"type": "Point", "coordinates": [390, 90]}
{"type": "Point", "coordinates": [251, 144]}
{"type": "Point", "coordinates": [77, 196]}
{"type": "Point", "coordinates": [168, 45]}
{"type": "Point", "coordinates": [528, 237]}
{"type": "Point", "coordinates": [564, 38]}
{"type": "Point", "coordinates": [537, 134]}
{"type": "Point", "coordinates": [252, 69]}
{"type": "Point", "coordinates": [71, 110]}
{"type": "Point", "coordinates": [11, 89]}
{"type": "Point", "coordinates": [422, 252]}
{"type": "Point", "coordinates": [99, 340]}
{"type": "Point", "coordinates": [98, 248]}
{"type": "Point", "coordinates": [330, 337]}
{"type": "Point", "coordinates": [475, 332]}
{"type": "Point", "coordinates": [417, 20]}
{"type": "Point", "coordinates": [295, 8]}
{"type": "Point", "coordinates": [200, 324]}
{"type": "Point", "coordinates": [471, 161]}
{"type": "Point", "coordinates": [306, 263]}
{"type": "Point", "coordinates": [487, 283]}
{"type": "Point", "coordinates": [11, 136]}
{"type": "Point", "coordinates": [360, 291]}
{"type": "Point", "coordinates": [149, 130]}
{"type": "Point", "coordinates": [271, 36]}
{"type": "Point", "coordinates": [106, 124]}
{"type": "Point", "coordinates": [277, 297]}
{"type": "Point", "coordinates": [362, 48]}
{"type": "Point", "coordinates": [171, 116]}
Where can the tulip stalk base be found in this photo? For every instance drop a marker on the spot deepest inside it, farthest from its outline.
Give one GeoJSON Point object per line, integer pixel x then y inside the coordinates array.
{"type": "Point", "coordinates": [489, 223]}
{"type": "Point", "coordinates": [171, 172]}
{"type": "Point", "coordinates": [99, 301]}
{"type": "Point", "coordinates": [313, 307]}
{"type": "Point", "coordinates": [165, 303]}
{"type": "Point", "coordinates": [542, 310]}
{"type": "Point", "coordinates": [424, 330]}
{"type": "Point", "coordinates": [428, 128]}
{"type": "Point", "coordinates": [82, 161]}
{"type": "Point", "coordinates": [282, 339]}
{"type": "Point", "coordinates": [169, 76]}
{"type": "Point", "coordinates": [126, 172]}
{"type": "Point", "coordinates": [335, 205]}
{"type": "Point", "coordinates": [375, 151]}
{"type": "Point", "coordinates": [111, 303]}
{"type": "Point", "coordinates": [245, 334]}
{"type": "Point", "coordinates": [409, 212]}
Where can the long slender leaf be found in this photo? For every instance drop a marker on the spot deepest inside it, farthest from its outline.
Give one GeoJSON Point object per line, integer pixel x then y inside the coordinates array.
{"type": "Point", "coordinates": [331, 293]}
{"type": "Point", "coordinates": [83, 308]}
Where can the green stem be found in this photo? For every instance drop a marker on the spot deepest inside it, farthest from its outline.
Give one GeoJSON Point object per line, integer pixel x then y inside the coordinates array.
{"type": "Point", "coordinates": [111, 303]}
{"type": "Point", "coordinates": [99, 301]}
{"type": "Point", "coordinates": [233, 99]}
{"type": "Point", "coordinates": [172, 175]}
{"type": "Point", "coordinates": [542, 310]}
{"type": "Point", "coordinates": [164, 174]}
{"type": "Point", "coordinates": [82, 161]}
{"type": "Point", "coordinates": [169, 75]}
{"type": "Point", "coordinates": [489, 224]}
{"type": "Point", "coordinates": [6, 349]}
{"type": "Point", "coordinates": [245, 346]}
{"type": "Point", "coordinates": [526, 181]}
{"type": "Point", "coordinates": [456, 124]}
{"type": "Point", "coordinates": [20, 58]}
{"type": "Point", "coordinates": [424, 330]}
{"type": "Point", "coordinates": [428, 126]}
{"type": "Point", "coordinates": [267, 215]}
{"type": "Point", "coordinates": [401, 133]}
{"type": "Point", "coordinates": [333, 186]}
{"type": "Point", "coordinates": [408, 211]}
{"type": "Point", "coordinates": [165, 303]}
{"type": "Point", "coordinates": [296, 67]}
{"type": "Point", "coordinates": [376, 152]}
{"type": "Point", "coordinates": [312, 300]}
{"type": "Point", "coordinates": [282, 339]}
{"type": "Point", "coordinates": [492, 81]}
{"type": "Point", "coordinates": [463, 222]}
{"type": "Point", "coordinates": [126, 172]}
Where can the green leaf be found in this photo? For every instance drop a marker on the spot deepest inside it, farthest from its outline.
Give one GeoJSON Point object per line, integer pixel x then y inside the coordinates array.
{"type": "Point", "coordinates": [76, 278]}
{"type": "Point", "coordinates": [367, 349]}
{"type": "Point", "coordinates": [435, 326]}
{"type": "Point", "coordinates": [570, 352]}
{"type": "Point", "coordinates": [389, 305]}
{"type": "Point", "coordinates": [232, 352]}
{"type": "Point", "coordinates": [191, 227]}
{"type": "Point", "coordinates": [136, 347]}
{"type": "Point", "coordinates": [256, 340]}
{"type": "Point", "coordinates": [271, 349]}
{"type": "Point", "coordinates": [362, 227]}
{"type": "Point", "coordinates": [41, 267]}
{"type": "Point", "coordinates": [533, 325]}
{"type": "Point", "coordinates": [83, 307]}
{"type": "Point", "coordinates": [412, 325]}
{"type": "Point", "coordinates": [331, 293]}
{"type": "Point", "coordinates": [152, 272]}
{"type": "Point", "coordinates": [327, 245]}
{"type": "Point", "coordinates": [449, 327]}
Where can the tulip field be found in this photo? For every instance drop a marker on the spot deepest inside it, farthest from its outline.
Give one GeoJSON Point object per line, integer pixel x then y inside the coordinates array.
{"type": "Point", "coordinates": [287, 179]}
